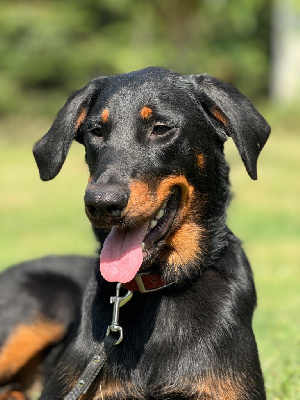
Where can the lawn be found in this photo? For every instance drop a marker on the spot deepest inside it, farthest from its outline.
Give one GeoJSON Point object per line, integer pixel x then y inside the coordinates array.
{"type": "Point", "coordinates": [39, 218]}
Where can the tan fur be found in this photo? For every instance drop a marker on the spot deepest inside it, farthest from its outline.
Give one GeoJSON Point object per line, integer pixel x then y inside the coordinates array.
{"type": "Point", "coordinates": [117, 389]}
{"type": "Point", "coordinates": [201, 161]}
{"type": "Point", "coordinates": [146, 112]}
{"type": "Point", "coordinates": [217, 114]}
{"type": "Point", "coordinates": [25, 342]}
{"type": "Point", "coordinates": [144, 201]}
{"type": "Point", "coordinates": [81, 118]}
{"type": "Point", "coordinates": [209, 388]}
{"type": "Point", "coordinates": [184, 244]}
{"type": "Point", "coordinates": [12, 395]}
{"type": "Point", "coordinates": [221, 388]}
{"type": "Point", "coordinates": [105, 115]}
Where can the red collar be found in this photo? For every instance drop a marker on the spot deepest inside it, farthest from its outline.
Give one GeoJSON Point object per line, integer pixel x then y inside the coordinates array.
{"type": "Point", "coordinates": [146, 283]}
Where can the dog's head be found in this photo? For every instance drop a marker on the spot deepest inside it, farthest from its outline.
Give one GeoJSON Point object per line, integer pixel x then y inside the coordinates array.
{"type": "Point", "coordinates": [154, 148]}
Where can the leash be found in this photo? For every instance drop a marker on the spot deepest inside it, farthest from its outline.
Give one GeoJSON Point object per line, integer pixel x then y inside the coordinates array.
{"type": "Point", "coordinates": [106, 347]}
{"type": "Point", "coordinates": [143, 282]}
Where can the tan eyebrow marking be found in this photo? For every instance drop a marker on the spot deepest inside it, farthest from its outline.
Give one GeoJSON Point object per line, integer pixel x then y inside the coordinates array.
{"type": "Point", "coordinates": [146, 112]}
{"type": "Point", "coordinates": [105, 115]}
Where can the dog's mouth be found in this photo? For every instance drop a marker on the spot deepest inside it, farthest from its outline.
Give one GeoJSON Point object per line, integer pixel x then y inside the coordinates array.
{"type": "Point", "coordinates": [161, 224]}
{"type": "Point", "coordinates": [126, 249]}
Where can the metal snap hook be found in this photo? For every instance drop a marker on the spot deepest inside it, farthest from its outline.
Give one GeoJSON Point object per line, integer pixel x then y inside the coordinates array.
{"type": "Point", "coordinates": [118, 302]}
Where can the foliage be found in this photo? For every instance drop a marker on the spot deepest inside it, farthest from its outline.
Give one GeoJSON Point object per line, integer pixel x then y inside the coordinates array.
{"type": "Point", "coordinates": [52, 47]}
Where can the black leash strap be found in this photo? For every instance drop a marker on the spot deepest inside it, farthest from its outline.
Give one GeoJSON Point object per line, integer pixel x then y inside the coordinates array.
{"type": "Point", "coordinates": [93, 368]}
{"type": "Point", "coordinates": [105, 348]}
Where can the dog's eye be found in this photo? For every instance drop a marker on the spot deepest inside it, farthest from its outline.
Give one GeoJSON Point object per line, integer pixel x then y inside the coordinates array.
{"type": "Point", "coordinates": [96, 131]}
{"type": "Point", "coordinates": [159, 130]}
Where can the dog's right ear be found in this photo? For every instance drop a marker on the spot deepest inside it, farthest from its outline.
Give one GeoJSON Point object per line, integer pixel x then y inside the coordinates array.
{"type": "Point", "coordinates": [51, 150]}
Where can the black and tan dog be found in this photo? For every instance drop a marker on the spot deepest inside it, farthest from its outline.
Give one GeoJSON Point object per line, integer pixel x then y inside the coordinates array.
{"type": "Point", "coordinates": [159, 184]}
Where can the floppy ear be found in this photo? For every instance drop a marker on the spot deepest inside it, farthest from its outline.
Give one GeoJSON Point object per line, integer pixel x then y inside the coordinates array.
{"type": "Point", "coordinates": [51, 150]}
{"type": "Point", "coordinates": [232, 114]}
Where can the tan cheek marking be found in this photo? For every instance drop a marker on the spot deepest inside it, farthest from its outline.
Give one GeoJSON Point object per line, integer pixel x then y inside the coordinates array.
{"type": "Point", "coordinates": [185, 244]}
{"type": "Point", "coordinates": [146, 112]}
{"type": "Point", "coordinates": [105, 115]}
{"type": "Point", "coordinates": [142, 202]}
{"type": "Point", "coordinates": [90, 179]}
{"type": "Point", "coordinates": [81, 118]}
{"type": "Point", "coordinates": [25, 342]}
{"type": "Point", "coordinates": [217, 114]}
{"type": "Point", "coordinates": [166, 185]}
{"type": "Point", "coordinates": [201, 161]}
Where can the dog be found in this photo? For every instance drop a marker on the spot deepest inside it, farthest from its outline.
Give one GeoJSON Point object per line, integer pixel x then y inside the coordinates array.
{"type": "Point", "coordinates": [159, 188]}
{"type": "Point", "coordinates": [39, 304]}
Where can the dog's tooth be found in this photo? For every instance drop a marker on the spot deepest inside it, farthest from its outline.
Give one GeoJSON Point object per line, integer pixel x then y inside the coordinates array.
{"type": "Point", "coordinates": [143, 246]}
{"type": "Point", "coordinates": [153, 223]}
{"type": "Point", "coordinates": [160, 213]}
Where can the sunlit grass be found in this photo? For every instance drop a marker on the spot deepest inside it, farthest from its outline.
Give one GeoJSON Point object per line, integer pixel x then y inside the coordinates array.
{"type": "Point", "coordinates": [40, 218]}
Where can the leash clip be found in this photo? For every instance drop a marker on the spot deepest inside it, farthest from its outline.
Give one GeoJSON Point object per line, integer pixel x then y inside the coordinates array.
{"type": "Point", "coordinates": [105, 348]}
{"type": "Point", "coordinates": [118, 302]}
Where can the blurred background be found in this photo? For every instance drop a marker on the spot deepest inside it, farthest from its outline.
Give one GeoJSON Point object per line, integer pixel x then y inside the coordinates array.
{"type": "Point", "coordinates": [50, 48]}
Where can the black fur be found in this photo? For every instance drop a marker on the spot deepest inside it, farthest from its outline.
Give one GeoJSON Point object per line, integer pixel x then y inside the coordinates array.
{"type": "Point", "coordinates": [193, 340]}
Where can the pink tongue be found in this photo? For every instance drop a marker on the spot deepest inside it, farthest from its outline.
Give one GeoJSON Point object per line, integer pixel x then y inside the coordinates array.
{"type": "Point", "coordinates": [122, 256]}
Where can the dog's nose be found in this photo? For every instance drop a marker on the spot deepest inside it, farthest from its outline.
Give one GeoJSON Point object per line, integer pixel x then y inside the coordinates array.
{"type": "Point", "coordinates": [106, 201]}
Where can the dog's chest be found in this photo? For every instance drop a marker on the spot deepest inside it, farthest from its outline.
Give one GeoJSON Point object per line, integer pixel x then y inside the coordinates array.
{"type": "Point", "coordinates": [157, 358]}
{"type": "Point", "coordinates": [129, 389]}
{"type": "Point", "coordinates": [183, 388]}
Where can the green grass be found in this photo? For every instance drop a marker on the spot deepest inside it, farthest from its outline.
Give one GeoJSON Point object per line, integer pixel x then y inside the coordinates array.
{"type": "Point", "coordinates": [39, 218]}
{"type": "Point", "coordinates": [265, 215]}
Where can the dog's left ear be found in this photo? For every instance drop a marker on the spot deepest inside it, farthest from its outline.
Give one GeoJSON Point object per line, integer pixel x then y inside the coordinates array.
{"type": "Point", "coordinates": [232, 114]}
{"type": "Point", "coordinates": [51, 150]}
